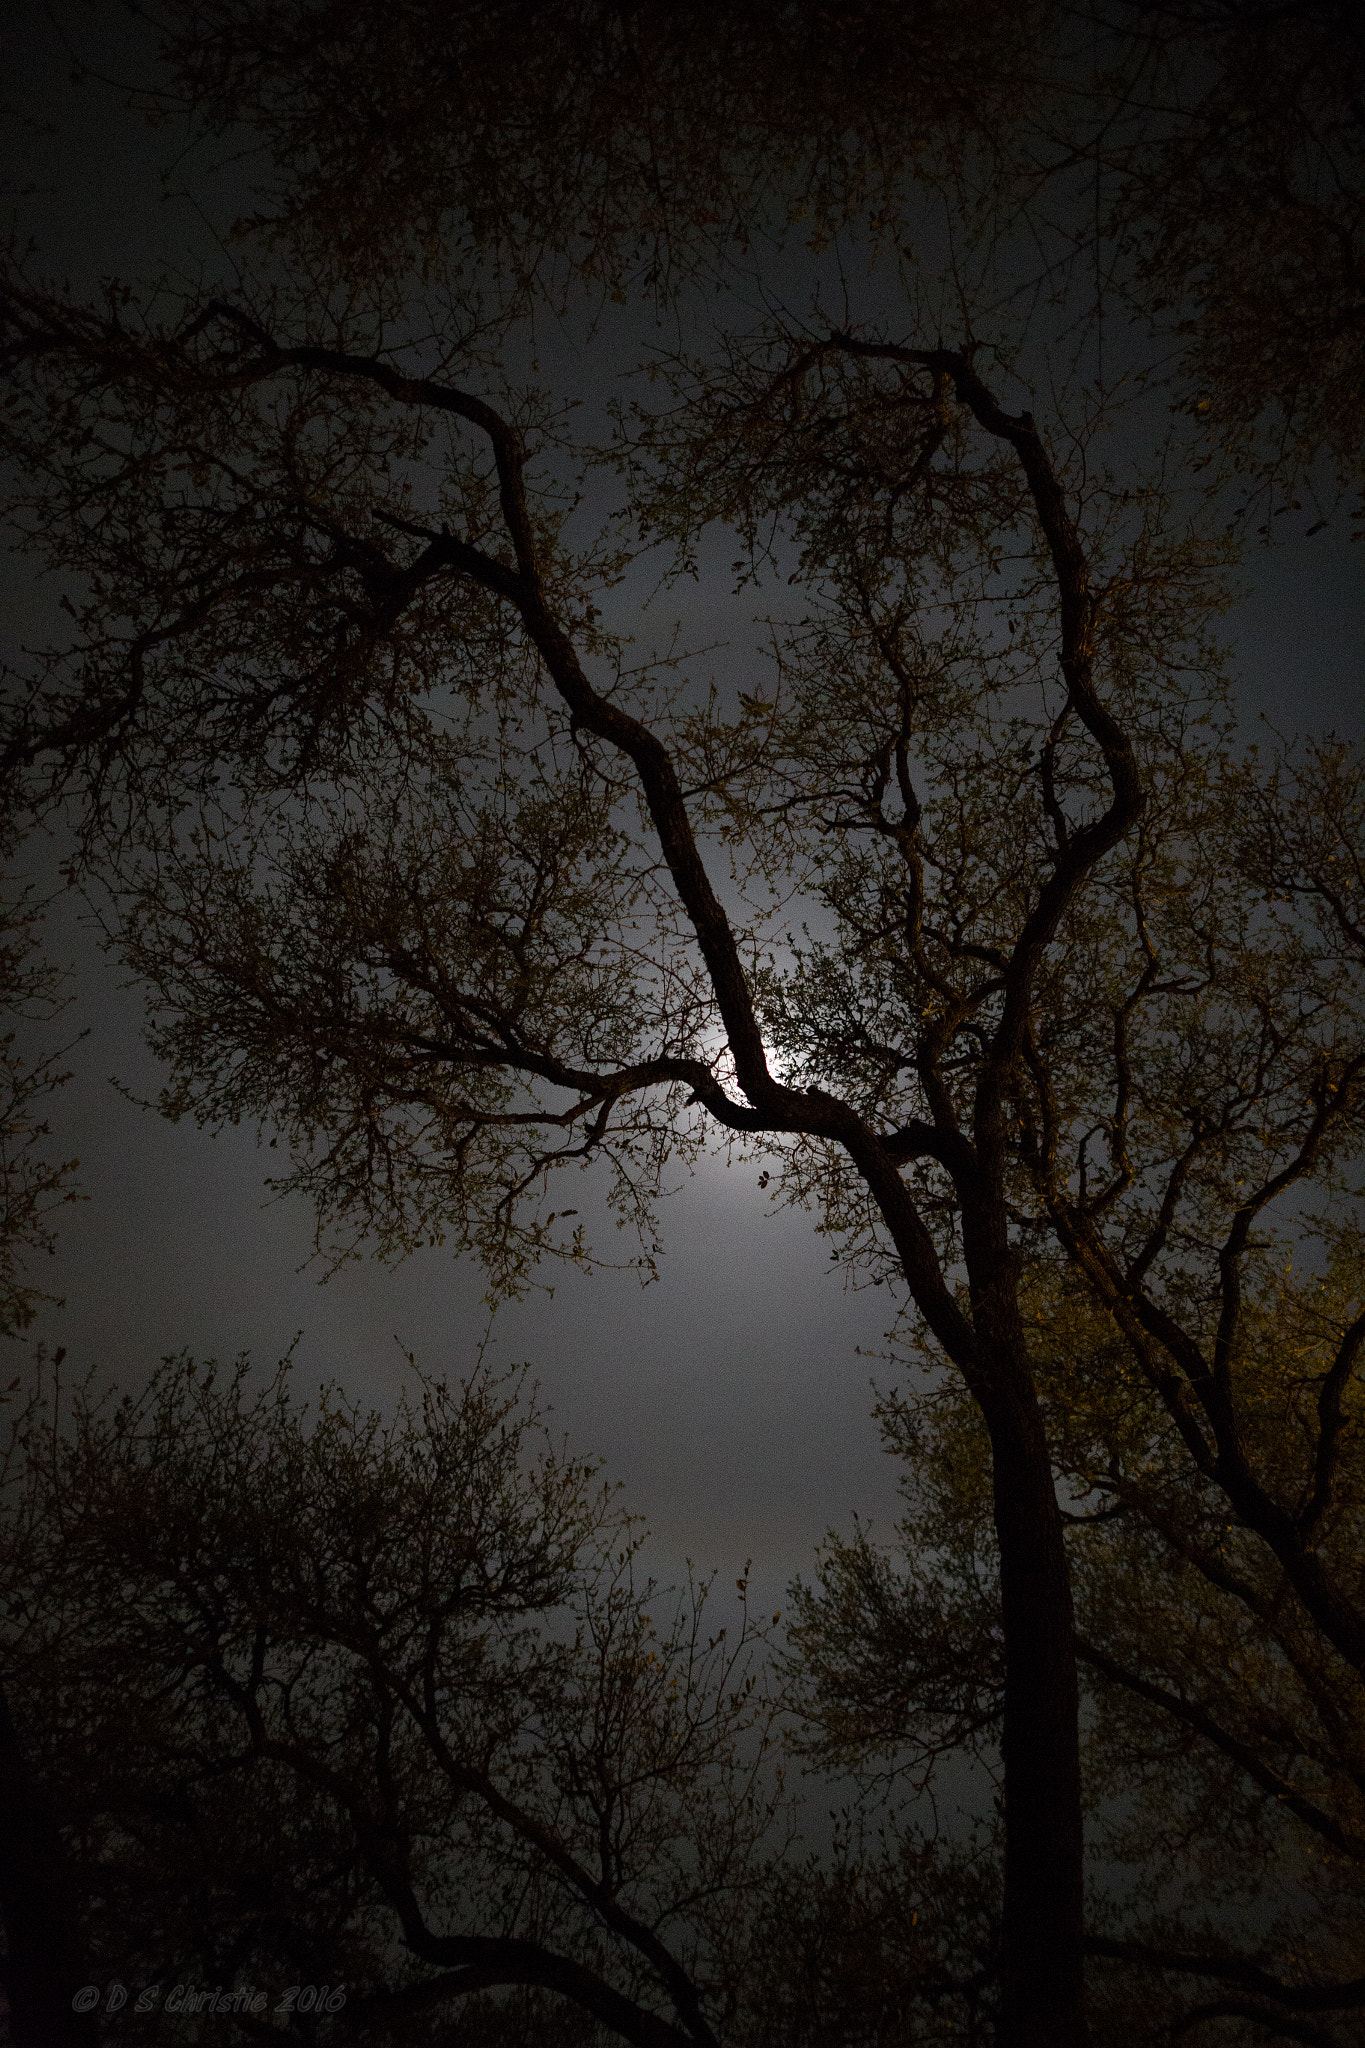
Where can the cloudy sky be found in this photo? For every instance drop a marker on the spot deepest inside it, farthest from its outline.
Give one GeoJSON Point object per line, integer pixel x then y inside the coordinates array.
{"type": "Point", "coordinates": [732, 1397]}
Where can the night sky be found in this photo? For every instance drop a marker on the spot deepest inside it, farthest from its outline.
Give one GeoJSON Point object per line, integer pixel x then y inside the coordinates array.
{"type": "Point", "coordinates": [730, 1397]}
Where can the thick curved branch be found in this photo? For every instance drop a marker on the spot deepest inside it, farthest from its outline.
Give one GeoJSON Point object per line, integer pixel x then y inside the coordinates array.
{"type": "Point", "coordinates": [609, 1909]}
{"type": "Point", "coordinates": [1076, 604]}
{"type": "Point", "coordinates": [481, 1960]}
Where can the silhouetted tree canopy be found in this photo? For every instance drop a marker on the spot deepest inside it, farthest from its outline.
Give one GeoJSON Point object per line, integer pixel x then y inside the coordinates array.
{"type": "Point", "coordinates": [967, 912]}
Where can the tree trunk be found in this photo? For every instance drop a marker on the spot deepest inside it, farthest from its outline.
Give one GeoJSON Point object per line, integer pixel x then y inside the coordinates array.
{"type": "Point", "coordinates": [1042, 1968]}
{"type": "Point", "coordinates": [43, 1967]}
{"type": "Point", "coordinates": [1042, 1935]}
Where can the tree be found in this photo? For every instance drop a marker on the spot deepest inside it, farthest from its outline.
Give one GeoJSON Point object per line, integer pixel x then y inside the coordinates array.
{"type": "Point", "coordinates": [1194, 170]}
{"type": "Point", "coordinates": [1223, 1753]}
{"type": "Point", "coordinates": [416, 865]}
{"type": "Point", "coordinates": [379, 1706]}
{"type": "Point", "coordinates": [1237, 199]}
{"type": "Point", "coordinates": [537, 1001]}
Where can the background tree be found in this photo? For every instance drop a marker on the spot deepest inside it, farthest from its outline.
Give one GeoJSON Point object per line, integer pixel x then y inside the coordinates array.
{"type": "Point", "coordinates": [381, 1707]}
{"type": "Point", "coordinates": [1132, 184]}
{"type": "Point", "coordinates": [1237, 199]}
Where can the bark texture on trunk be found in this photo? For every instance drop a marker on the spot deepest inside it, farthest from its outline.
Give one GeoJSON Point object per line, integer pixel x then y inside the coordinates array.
{"type": "Point", "coordinates": [1042, 1962]}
